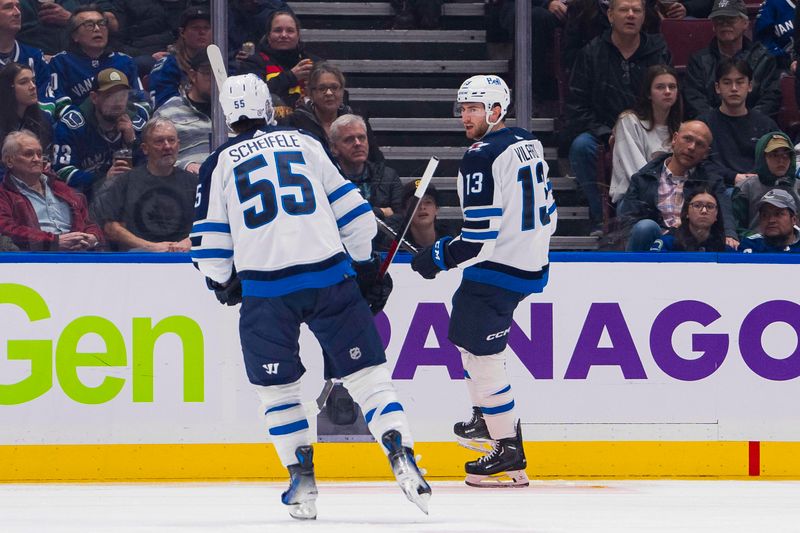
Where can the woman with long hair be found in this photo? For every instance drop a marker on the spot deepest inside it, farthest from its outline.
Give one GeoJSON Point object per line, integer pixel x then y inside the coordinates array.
{"type": "Point", "coordinates": [281, 60]}
{"type": "Point", "coordinates": [646, 131]}
{"type": "Point", "coordinates": [20, 109]}
{"type": "Point", "coordinates": [701, 229]}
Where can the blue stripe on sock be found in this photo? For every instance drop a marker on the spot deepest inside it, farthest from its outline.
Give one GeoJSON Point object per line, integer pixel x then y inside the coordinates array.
{"type": "Point", "coordinates": [466, 375]}
{"type": "Point", "coordinates": [369, 415]}
{"type": "Point", "coordinates": [391, 408]}
{"type": "Point", "coordinates": [281, 408]}
{"type": "Point", "coordinates": [499, 409]}
{"type": "Point", "coordinates": [289, 428]}
{"type": "Point", "coordinates": [506, 389]}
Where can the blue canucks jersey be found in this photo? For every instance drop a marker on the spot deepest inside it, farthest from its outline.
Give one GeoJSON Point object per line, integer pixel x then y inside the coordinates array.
{"type": "Point", "coordinates": [165, 79]}
{"type": "Point", "coordinates": [509, 212]}
{"type": "Point", "coordinates": [74, 73]}
{"type": "Point", "coordinates": [758, 244]}
{"type": "Point", "coordinates": [81, 153]}
{"type": "Point", "coordinates": [774, 26]}
{"type": "Point", "coordinates": [32, 57]}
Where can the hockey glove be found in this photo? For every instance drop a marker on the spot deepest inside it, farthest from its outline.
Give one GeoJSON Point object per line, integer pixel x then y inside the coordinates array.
{"type": "Point", "coordinates": [375, 291]}
{"type": "Point", "coordinates": [228, 293]}
{"type": "Point", "coordinates": [432, 259]}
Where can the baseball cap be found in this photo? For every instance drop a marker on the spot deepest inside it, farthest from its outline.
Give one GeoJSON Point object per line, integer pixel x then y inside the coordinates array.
{"type": "Point", "coordinates": [109, 78]}
{"type": "Point", "coordinates": [776, 142]}
{"type": "Point", "coordinates": [199, 59]}
{"type": "Point", "coordinates": [410, 188]}
{"type": "Point", "coordinates": [728, 8]}
{"type": "Point", "coordinates": [194, 13]}
{"type": "Point", "coordinates": [779, 198]}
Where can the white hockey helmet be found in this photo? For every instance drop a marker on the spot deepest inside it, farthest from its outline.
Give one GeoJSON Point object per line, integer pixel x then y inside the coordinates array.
{"type": "Point", "coordinates": [245, 96]}
{"type": "Point", "coordinates": [487, 89]}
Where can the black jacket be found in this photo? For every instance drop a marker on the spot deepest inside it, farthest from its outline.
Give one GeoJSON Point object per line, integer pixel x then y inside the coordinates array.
{"type": "Point", "coordinates": [143, 27]}
{"type": "Point", "coordinates": [699, 92]}
{"type": "Point", "coordinates": [304, 118]}
{"type": "Point", "coordinates": [603, 84]}
{"type": "Point", "coordinates": [275, 68]}
{"type": "Point", "coordinates": [641, 199]}
{"type": "Point", "coordinates": [381, 187]}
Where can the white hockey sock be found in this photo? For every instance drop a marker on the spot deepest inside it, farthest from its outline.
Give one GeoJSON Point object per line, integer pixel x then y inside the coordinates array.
{"type": "Point", "coordinates": [471, 389]}
{"type": "Point", "coordinates": [493, 392]}
{"type": "Point", "coordinates": [287, 424]}
{"type": "Point", "coordinates": [374, 392]}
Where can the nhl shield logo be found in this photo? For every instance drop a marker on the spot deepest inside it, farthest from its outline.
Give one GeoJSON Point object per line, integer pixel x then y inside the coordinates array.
{"type": "Point", "coordinates": [355, 353]}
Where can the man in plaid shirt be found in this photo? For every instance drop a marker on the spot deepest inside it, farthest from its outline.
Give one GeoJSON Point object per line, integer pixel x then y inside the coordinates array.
{"type": "Point", "coordinates": [653, 202]}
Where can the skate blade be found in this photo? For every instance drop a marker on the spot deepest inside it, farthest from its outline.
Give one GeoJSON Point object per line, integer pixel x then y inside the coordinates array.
{"type": "Point", "coordinates": [410, 487]}
{"type": "Point", "coordinates": [509, 479]}
{"type": "Point", "coordinates": [477, 445]}
{"type": "Point", "coordinates": [303, 511]}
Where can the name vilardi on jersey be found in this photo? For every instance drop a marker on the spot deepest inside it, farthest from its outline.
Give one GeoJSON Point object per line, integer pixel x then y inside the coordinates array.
{"type": "Point", "coordinates": [526, 152]}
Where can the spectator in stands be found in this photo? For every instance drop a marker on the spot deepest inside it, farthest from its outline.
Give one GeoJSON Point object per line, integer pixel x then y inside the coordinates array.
{"type": "Point", "coordinates": [13, 51]}
{"type": "Point", "coordinates": [74, 70]}
{"type": "Point", "coordinates": [701, 228]}
{"type": "Point", "coordinates": [194, 34]}
{"type": "Point", "coordinates": [282, 62]}
{"type": "Point", "coordinates": [37, 211]}
{"type": "Point", "coordinates": [190, 112]}
{"type": "Point", "coordinates": [87, 137]}
{"type": "Point", "coordinates": [655, 198]}
{"type": "Point", "coordinates": [45, 24]}
{"type": "Point", "coordinates": [247, 20]}
{"type": "Point", "coordinates": [409, 14]}
{"type": "Point", "coordinates": [327, 88]}
{"type": "Point", "coordinates": [143, 31]}
{"type": "Point", "coordinates": [606, 80]}
{"type": "Point", "coordinates": [777, 223]}
{"type": "Point", "coordinates": [20, 109]}
{"type": "Point", "coordinates": [646, 131]}
{"type": "Point", "coordinates": [774, 29]}
{"type": "Point", "coordinates": [587, 19]}
{"type": "Point", "coordinates": [379, 184]}
{"type": "Point", "coordinates": [775, 168]}
{"type": "Point", "coordinates": [151, 208]}
{"type": "Point", "coordinates": [729, 18]}
{"type": "Point", "coordinates": [735, 128]}
{"type": "Point", "coordinates": [425, 228]}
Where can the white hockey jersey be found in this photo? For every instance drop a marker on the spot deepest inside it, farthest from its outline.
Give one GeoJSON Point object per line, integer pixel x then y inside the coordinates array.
{"type": "Point", "coordinates": [509, 212]}
{"type": "Point", "coordinates": [272, 203]}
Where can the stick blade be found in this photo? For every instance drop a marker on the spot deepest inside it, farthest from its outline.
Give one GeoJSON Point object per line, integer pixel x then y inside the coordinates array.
{"type": "Point", "coordinates": [217, 65]}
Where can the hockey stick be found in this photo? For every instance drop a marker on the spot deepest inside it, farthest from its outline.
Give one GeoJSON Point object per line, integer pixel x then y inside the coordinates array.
{"type": "Point", "coordinates": [217, 65]}
{"type": "Point", "coordinates": [387, 230]}
{"type": "Point", "coordinates": [418, 194]}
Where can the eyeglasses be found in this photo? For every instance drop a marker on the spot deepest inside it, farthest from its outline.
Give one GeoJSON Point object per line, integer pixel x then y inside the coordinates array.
{"type": "Point", "coordinates": [322, 89]}
{"type": "Point", "coordinates": [702, 205]}
{"type": "Point", "coordinates": [91, 24]}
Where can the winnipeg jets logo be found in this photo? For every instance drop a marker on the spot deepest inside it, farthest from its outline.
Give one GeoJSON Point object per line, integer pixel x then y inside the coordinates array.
{"type": "Point", "coordinates": [477, 146]}
{"type": "Point", "coordinates": [271, 368]}
{"type": "Point", "coordinates": [355, 353]}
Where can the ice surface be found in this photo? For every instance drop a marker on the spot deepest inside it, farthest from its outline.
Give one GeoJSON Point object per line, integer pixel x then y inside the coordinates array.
{"type": "Point", "coordinates": [546, 506]}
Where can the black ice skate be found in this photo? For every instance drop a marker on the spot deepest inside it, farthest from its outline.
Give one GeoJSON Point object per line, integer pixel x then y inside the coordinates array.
{"type": "Point", "coordinates": [302, 491]}
{"type": "Point", "coordinates": [406, 471]}
{"type": "Point", "coordinates": [504, 466]}
{"type": "Point", "coordinates": [473, 434]}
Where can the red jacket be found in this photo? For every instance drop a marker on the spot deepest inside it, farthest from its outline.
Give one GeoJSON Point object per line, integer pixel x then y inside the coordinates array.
{"type": "Point", "coordinates": [18, 219]}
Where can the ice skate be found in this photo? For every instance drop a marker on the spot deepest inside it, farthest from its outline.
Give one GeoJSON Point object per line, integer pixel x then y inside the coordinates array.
{"type": "Point", "coordinates": [504, 466]}
{"type": "Point", "coordinates": [473, 434]}
{"type": "Point", "coordinates": [406, 471]}
{"type": "Point", "coordinates": [302, 491]}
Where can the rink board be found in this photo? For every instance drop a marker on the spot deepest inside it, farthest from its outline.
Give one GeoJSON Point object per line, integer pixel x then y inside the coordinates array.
{"type": "Point", "coordinates": [123, 367]}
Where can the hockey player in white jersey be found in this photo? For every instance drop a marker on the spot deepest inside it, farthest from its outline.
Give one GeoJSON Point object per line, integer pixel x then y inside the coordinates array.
{"type": "Point", "coordinates": [273, 211]}
{"type": "Point", "coordinates": [509, 216]}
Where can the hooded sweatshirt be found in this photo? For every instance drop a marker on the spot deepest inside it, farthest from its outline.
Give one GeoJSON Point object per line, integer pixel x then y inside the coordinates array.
{"type": "Point", "coordinates": [751, 191]}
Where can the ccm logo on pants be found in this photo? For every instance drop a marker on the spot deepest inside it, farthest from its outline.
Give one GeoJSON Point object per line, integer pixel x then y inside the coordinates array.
{"type": "Point", "coordinates": [497, 335]}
